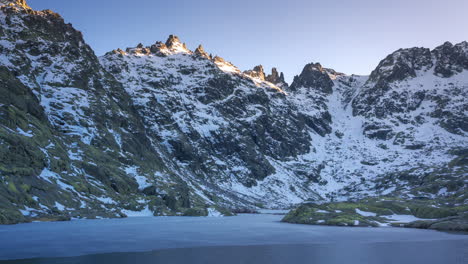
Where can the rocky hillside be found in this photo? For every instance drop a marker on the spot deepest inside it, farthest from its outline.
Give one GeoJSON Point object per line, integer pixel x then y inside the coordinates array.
{"type": "Point", "coordinates": [231, 129]}
{"type": "Point", "coordinates": [164, 130]}
{"type": "Point", "coordinates": [72, 142]}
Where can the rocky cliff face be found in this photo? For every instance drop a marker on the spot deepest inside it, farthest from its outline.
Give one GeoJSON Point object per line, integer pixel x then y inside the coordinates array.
{"type": "Point", "coordinates": [163, 130]}
{"type": "Point", "coordinates": [73, 144]}
{"type": "Point", "coordinates": [277, 79]}
{"type": "Point", "coordinates": [223, 126]}
{"type": "Point", "coordinates": [313, 76]}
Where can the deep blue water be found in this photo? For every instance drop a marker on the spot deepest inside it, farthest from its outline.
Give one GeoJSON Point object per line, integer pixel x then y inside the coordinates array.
{"type": "Point", "coordinates": [239, 239]}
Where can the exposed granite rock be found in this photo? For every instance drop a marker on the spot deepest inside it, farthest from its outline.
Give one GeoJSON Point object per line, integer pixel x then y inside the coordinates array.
{"type": "Point", "coordinates": [172, 40]}
{"type": "Point", "coordinates": [384, 211]}
{"type": "Point", "coordinates": [376, 130]}
{"type": "Point", "coordinates": [451, 59]}
{"type": "Point", "coordinates": [159, 48]}
{"type": "Point", "coordinates": [256, 72]}
{"type": "Point", "coordinates": [72, 144]}
{"type": "Point", "coordinates": [158, 128]}
{"type": "Point", "coordinates": [277, 79]}
{"type": "Point", "coordinates": [409, 68]}
{"type": "Point", "coordinates": [313, 76]}
{"type": "Point", "coordinates": [250, 128]}
{"type": "Point", "coordinates": [174, 43]}
{"type": "Point", "coordinates": [452, 223]}
{"type": "Point", "coordinates": [15, 3]}
{"type": "Point", "coordinates": [202, 53]}
{"type": "Point", "coordinates": [400, 65]}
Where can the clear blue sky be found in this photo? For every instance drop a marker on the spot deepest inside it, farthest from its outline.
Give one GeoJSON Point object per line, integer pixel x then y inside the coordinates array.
{"type": "Point", "coordinates": [351, 36]}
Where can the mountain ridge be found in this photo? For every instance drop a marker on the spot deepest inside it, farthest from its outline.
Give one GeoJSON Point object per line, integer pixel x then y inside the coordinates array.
{"type": "Point", "coordinates": [165, 130]}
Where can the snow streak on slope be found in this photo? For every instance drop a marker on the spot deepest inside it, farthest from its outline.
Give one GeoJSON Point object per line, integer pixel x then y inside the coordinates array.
{"type": "Point", "coordinates": [202, 112]}
{"type": "Point", "coordinates": [198, 105]}
{"type": "Point", "coordinates": [162, 129]}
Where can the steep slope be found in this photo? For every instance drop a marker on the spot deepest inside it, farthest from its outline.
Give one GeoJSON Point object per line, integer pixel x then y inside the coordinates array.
{"type": "Point", "coordinates": [399, 146]}
{"type": "Point", "coordinates": [415, 103]}
{"type": "Point", "coordinates": [163, 130]}
{"type": "Point", "coordinates": [325, 141]}
{"type": "Point", "coordinates": [228, 128]}
{"type": "Point", "coordinates": [396, 131]}
{"type": "Point", "coordinates": [72, 143]}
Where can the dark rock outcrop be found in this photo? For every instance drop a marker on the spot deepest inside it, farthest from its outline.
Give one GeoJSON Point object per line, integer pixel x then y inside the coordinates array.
{"type": "Point", "coordinates": [276, 78]}
{"type": "Point", "coordinates": [379, 99]}
{"type": "Point", "coordinates": [176, 132]}
{"type": "Point", "coordinates": [451, 59]}
{"type": "Point", "coordinates": [71, 137]}
{"type": "Point", "coordinates": [313, 76]}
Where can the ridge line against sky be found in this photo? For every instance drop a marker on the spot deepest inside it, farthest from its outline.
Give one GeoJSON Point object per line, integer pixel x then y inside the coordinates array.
{"type": "Point", "coordinates": [348, 36]}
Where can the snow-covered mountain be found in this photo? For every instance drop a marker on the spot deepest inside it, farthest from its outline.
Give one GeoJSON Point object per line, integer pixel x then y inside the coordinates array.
{"type": "Point", "coordinates": [164, 130]}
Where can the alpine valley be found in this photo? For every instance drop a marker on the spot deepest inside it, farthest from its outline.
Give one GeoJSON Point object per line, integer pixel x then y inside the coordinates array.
{"type": "Point", "coordinates": [163, 130]}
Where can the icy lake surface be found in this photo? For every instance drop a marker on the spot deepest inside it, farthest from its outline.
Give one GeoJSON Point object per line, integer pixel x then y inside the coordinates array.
{"type": "Point", "coordinates": [240, 239]}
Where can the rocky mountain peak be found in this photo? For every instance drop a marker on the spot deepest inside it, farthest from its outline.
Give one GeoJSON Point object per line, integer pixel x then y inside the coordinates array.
{"type": "Point", "coordinates": [200, 51]}
{"type": "Point", "coordinates": [401, 64]}
{"type": "Point", "coordinates": [464, 45]}
{"type": "Point", "coordinates": [276, 78]}
{"type": "Point", "coordinates": [159, 48]}
{"type": "Point", "coordinates": [171, 134]}
{"type": "Point", "coordinates": [17, 3]}
{"type": "Point", "coordinates": [274, 74]}
{"type": "Point", "coordinates": [313, 67]}
{"type": "Point", "coordinates": [172, 40]}
{"type": "Point", "coordinates": [174, 44]}
{"type": "Point", "coordinates": [447, 44]}
{"type": "Point", "coordinates": [447, 59]}
{"type": "Point", "coordinates": [451, 59]}
{"type": "Point", "coordinates": [256, 72]}
{"type": "Point", "coordinates": [225, 65]}
{"type": "Point", "coordinates": [313, 76]}
{"type": "Point", "coordinates": [259, 68]}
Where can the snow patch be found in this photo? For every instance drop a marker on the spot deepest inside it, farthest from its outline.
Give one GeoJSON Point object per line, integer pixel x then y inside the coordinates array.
{"type": "Point", "coordinates": [364, 213]}
{"type": "Point", "coordinates": [141, 180]}
{"type": "Point", "coordinates": [404, 218]}
{"type": "Point", "coordinates": [23, 133]}
{"type": "Point", "coordinates": [145, 212]}
{"type": "Point", "coordinates": [212, 212]}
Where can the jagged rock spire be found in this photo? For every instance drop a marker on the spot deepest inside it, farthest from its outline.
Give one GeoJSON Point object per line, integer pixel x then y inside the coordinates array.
{"type": "Point", "coordinates": [200, 51]}
{"type": "Point", "coordinates": [17, 3]}
{"type": "Point", "coordinates": [256, 72]}
{"type": "Point", "coordinates": [282, 77]}
{"type": "Point", "coordinates": [273, 76]}
{"type": "Point", "coordinates": [157, 47]}
{"type": "Point", "coordinates": [276, 78]}
{"type": "Point", "coordinates": [174, 44]}
{"type": "Point", "coordinates": [259, 69]}
{"type": "Point", "coordinates": [172, 40]}
{"type": "Point", "coordinates": [6, 2]}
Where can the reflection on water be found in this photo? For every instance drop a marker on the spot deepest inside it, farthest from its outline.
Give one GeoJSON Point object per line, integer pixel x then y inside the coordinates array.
{"type": "Point", "coordinates": [242, 239]}
{"type": "Point", "coordinates": [435, 252]}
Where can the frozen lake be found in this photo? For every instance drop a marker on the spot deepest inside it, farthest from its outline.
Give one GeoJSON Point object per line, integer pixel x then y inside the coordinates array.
{"type": "Point", "coordinates": [240, 239]}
